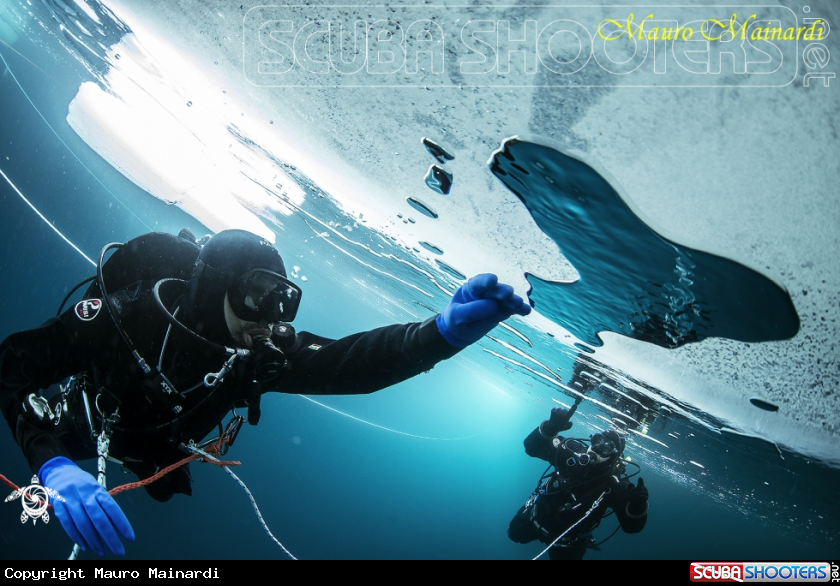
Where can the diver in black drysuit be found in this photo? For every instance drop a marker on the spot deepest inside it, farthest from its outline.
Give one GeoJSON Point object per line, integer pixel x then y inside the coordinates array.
{"type": "Point", "coordinates": [582, 474]}
{"type": "Point", "coordinates": [145, 369]}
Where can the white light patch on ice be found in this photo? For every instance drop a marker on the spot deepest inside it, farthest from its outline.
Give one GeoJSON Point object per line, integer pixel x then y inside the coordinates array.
{"type": "Point", "coordinates": [166, 127]}
{"type": "Point", "coordinates": [87, 10]}
{"type": "Point", "coordinates": [83, 29]}
{"type": "Point", "coordinates": [647, 437]}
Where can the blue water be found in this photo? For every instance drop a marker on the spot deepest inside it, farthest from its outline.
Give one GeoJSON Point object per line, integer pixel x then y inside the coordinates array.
{"type": "Point", "coordinates": [432, 468]}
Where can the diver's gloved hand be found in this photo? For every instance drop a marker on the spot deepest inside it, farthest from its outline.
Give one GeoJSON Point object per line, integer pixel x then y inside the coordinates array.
{"type": "Point", "coordinates": [558, 421]}
{"type": "Point", "coordinates": [638, 499]}
{"type": "Point", "coordinates": [476, 308]}
{"type": "Point", "coordinates": [88, 513]}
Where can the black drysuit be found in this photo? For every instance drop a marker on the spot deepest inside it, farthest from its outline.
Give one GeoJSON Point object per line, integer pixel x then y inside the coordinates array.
{"type": "Point", "coordinates": [84, 339]}
{"type": "Point", "coordinates": [566, 496]}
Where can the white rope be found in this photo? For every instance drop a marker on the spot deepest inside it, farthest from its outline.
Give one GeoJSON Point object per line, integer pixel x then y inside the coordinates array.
{"type": "Point", "coordinates": [204, 454]}
{"type": "Point", "coordinates": [46, 221]}
{"type": "Point", "coordinates": [102, 444]}
{"type": "Point", "coordinates": [74, 555]}
{"type": "Point", "coordinates": [439, 439]}
{"type": "Point", "coordinates": [589, 512]}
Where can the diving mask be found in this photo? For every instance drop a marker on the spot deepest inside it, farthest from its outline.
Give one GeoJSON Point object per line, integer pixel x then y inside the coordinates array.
{"type": "Point", "coordinates": [264, 296]}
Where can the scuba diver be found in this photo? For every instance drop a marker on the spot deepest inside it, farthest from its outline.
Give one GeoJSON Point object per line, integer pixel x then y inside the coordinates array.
{"type": "Point", "coordinates": [172, 335]}
{"type": "Point", "coordinates": [589, 479]}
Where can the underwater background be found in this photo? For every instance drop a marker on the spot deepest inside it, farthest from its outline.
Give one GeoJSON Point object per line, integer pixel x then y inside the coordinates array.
{"type": "Point", "coordinates": [434, 467]}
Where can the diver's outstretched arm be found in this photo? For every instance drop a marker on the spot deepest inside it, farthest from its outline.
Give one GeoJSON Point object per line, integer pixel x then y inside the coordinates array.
{"type": "Point", "coordinates": [362, 363]}
{"type": "Point", "coordinates": [370, 361]}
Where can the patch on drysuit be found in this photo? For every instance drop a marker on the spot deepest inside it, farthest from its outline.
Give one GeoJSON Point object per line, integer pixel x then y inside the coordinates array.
{"type": "Point", "coordinates": [315, 347]}
{"type": "Point", "coordinates": [88, 309]}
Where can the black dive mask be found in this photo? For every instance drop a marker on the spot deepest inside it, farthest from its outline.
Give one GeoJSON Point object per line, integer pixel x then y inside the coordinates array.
{"type": "Point", "coordinates": [603, 446]}
{"type": "Point", "coordinates": [264, 296]}
{"type": "Point", "coordinates": [578, 453]}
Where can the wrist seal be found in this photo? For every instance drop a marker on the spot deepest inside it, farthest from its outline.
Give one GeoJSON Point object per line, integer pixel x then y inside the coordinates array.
{"type": "Point", "coordinates": [637, 515]}
{"type": "Point", "coordinates": [544, 433]}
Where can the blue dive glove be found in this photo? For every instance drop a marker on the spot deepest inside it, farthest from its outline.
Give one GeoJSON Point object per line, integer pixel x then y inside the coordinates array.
{"type": "Point", "coordinates": [88, 514]}
{"type": "Point", "coordinates": [476, 308]}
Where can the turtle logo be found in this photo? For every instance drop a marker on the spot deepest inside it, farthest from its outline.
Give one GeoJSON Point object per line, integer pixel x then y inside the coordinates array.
{"type": "Point", "coordinates": [36, 499]}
